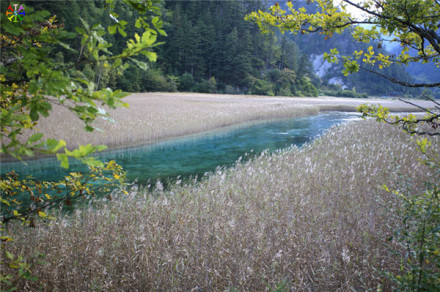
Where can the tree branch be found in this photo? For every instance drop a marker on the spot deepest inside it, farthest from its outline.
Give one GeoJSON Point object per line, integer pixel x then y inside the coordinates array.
{"type": "Point", "coordinates": [403, 83]}
{"type": "Point", "coordinates": [413, 104]}
{"type": "Point", "coordinates": [406, 125]}
{"type": "Point", "coordinates": [430, 36]}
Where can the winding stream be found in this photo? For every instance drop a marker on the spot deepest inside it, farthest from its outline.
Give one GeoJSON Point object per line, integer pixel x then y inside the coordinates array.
{"type": "Point", "coordinates": [198, 154]}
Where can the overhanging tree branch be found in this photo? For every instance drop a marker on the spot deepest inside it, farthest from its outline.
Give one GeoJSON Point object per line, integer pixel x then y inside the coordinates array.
{"type": "Point", "coordinates": [396, 19]}
{"type": "Point", "coordinates": [430, 35]}
{"type": "Point", "coordinates": [403, 83]}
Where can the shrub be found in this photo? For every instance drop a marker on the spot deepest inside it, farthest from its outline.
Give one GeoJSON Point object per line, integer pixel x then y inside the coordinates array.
{"type": "Point", "coordinates": [173, 83]}
{"type": "Point", "coordinates": [262, 87]}
{"type": "Point", "coordinates": [202, 87]}
{"type": "Point", "coordinates": [186, 82]}
{"type": "Point", "coordinates": [155, 81]}
{"type": "Point", "coordinates": [307, 88]}
{"type": "Point", "coordinates": [230, 90]}
{"type": "Point", "coordinates": [344, 93]}
{"type": "Point", "coordinates": [206, 86]}
{"type": "Point", "coordinates": [212, 84]}
{"type": "Point", "coordinates": [285, 92]}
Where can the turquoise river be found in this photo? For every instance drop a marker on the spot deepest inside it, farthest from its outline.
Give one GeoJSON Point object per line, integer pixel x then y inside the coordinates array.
{"type": "Point", "coordinates": [197, 154]}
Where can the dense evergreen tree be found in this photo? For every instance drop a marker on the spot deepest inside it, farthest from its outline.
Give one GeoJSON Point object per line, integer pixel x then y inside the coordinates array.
{"type": "Point", "coordinates": [211, 39]}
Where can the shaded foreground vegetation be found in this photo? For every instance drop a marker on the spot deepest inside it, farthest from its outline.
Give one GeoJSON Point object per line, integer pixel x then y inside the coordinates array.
{"type": "Point", "coordinates": [315, 218]}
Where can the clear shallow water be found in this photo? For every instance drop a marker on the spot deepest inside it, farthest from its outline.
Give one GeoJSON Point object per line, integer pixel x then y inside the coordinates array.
{"type": "Point", "coordinates": [196, 155]}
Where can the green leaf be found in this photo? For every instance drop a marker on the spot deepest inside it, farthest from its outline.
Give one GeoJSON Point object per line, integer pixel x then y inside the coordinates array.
{"type": "Point", "coordinates": [21, 118]}
{"type": "Point", "coordinates": [423, 143]}
{"type": "Point", "coordinates": [45, 107]}
{"type": "Point", "coordinates": [112, 29]}
{"type": "Point", "coordinates": [122, 32]}
{"type": "Point", "coordinates": [53, 145]}
{"type": "Point", "coordinates": [35, 137]}
{"type": "Point", "coordinates": [34, 114]}
{"type": "Point", "coordinates": [83, 151]}
{"type": "Point", "coordinates": [148, 39]}
{"type": "Point", "coordinates": [85, 24]}
{"type": "Point", "coordinates": [84, 40]}
{"type": "Point", "coordinates": [92, 161]}
{"type": "Point", "coordinates": [334, 51]}
{"type": "Point", "coordinates": [117, 63]}
{"type": "Point", "coordinates": [92, 109]}
{"type": "Point", "coordinates": [162, 32]}
{"type": "Point", "coordinates": [100, 147]}
{"type": "Point", "coordinates": [80, 30]}
{"type": "Point", "coordinates": [9, 255]}
{"type": "Point", "coordinates": [10, 27]}
{"type": "Point", "coordinates": [64, 160]}
{"type": "Point", "coordinates": [137, 37]}
{"type": "Point", "coordinates": [5, 202]}
{"type": "Point", "coordinates": [66, 46]}
{"type": "Point", "coordinates": [150, 55]}
{"type": "Point", "coordinates": [138, 23]}
{"type": "Point", "coordinates": [140, 64]}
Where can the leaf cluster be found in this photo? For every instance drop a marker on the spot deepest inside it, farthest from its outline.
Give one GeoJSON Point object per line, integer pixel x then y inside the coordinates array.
{"type": "Point", "coordinates": [32, 80]}
{"type": "Point", "coordinates": [416, 238]}
{"type": "Point", "coordinates": [412, 24]}
{"type": "Point", "coordinates": [417, 235]}
{"type": "Point", "coordinates": [412, 124]}
{"type": "Point", "coordinates": [26, 198]}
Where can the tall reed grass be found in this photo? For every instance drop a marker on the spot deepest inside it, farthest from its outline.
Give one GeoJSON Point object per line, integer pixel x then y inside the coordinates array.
{"type": "Point", "coordinates": [152, 117]}
{"type": "Point", "coordinates": [156, 116]}
{"type": "Point", "coordinates": [309, 219]}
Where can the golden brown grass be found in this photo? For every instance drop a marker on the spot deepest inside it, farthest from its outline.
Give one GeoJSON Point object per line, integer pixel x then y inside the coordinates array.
{"type": "Point", "coordinates": [156, 116]}
{"type": "Point", "coordinates": [310, 219]}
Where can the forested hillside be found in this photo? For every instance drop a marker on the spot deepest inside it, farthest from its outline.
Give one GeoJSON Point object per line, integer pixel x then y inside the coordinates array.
{"type": "Point", "coordinates": [314, 46]}
{"type": "Point", "coordinates": [209, 47]}
{"type": "Point", "coordinates": [212, 48]}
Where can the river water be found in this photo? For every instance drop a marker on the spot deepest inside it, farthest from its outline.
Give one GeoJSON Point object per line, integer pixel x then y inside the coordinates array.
{"type": "Point", "coordinates": [198, 154]}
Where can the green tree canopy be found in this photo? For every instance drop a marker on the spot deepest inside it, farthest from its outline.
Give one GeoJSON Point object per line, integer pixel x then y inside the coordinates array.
{"type": "Point", "coordinates": [40, 68]}
{"type": "Point", "coordinates": [411, 24]}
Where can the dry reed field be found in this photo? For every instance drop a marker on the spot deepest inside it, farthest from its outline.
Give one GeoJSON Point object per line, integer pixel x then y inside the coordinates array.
{"type": "Point", "coordinates": [309, 219]}
{"type": "Point", "coordinates": [156, 116]}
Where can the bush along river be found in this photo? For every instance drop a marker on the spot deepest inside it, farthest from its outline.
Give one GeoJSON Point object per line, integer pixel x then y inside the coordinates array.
{"type": "Point", "coordinates": [193, 156]}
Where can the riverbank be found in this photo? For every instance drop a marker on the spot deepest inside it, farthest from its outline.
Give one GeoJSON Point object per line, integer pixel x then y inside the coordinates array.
{"type": "Point", "coordinates": [153, 117]}
{"type": "Point", "coordinates": [315, 218]}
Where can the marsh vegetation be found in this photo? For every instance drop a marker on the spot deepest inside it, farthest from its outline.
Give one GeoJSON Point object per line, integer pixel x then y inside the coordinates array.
{"type": "Point", "coordinates": [157, 116]}
{"type": "Point", "coordinates": [192, 156]}
{"type": "Point", "coordinates": [357, 209]}
{"type": "Point", "coordinates": [314, 218]}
